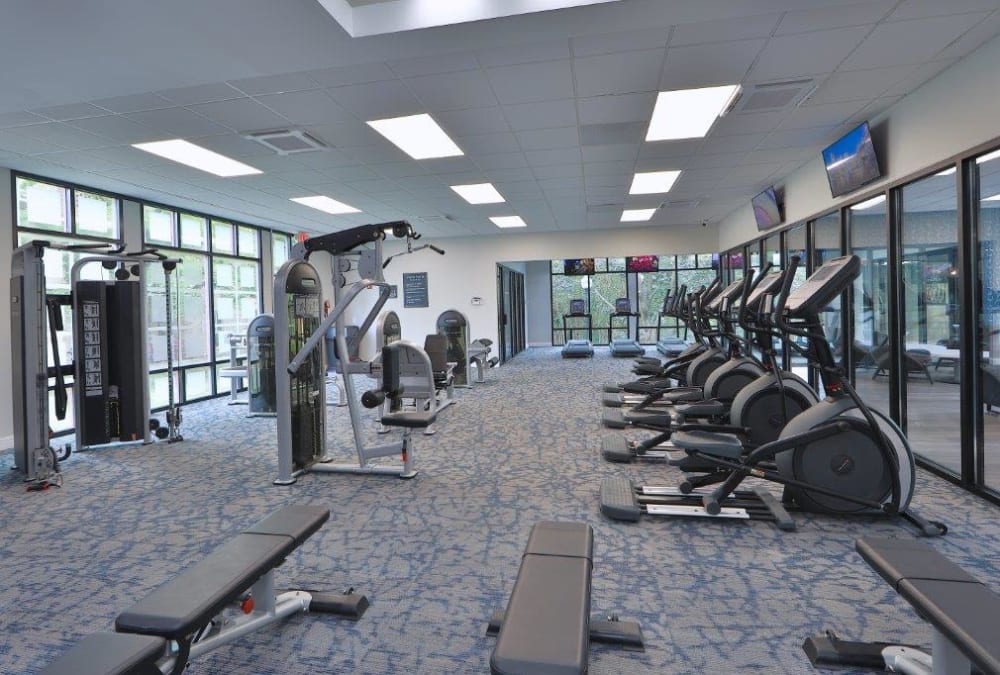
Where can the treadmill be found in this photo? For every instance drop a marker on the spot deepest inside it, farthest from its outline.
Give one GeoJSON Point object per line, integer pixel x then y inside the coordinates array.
{"type": "Point", "coordinates": [626, 347]}
{"type": "Point", "coordinates": [670, 346]}
{"type": "Point", "coordinates": [576, 349]}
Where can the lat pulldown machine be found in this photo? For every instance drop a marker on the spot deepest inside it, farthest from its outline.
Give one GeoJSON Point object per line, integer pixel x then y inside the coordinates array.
{"type": "Point", "coordinates": [299, 333]}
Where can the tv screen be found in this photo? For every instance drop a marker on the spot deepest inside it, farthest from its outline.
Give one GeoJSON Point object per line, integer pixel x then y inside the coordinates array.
{"type": "Point", "coordinates": [578, 266]}
{"type": "Point", "coordinates": [766, 209]}
{"type": "Point", "coordinates": [642, 263]}
{"type": "Point", "coordinates": [851, 162]}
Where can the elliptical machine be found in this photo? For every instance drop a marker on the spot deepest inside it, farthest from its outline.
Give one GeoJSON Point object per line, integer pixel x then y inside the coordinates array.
{"type": "Point", "coordinates": [838, 457]}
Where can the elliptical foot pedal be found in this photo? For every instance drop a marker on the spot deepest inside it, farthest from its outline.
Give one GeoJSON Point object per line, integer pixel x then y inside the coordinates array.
{"type": "Point", "coordinates": [617, 449]}
{"type": "Point", "coordinates": [613, 388]}
{"type": "Point", "coordinates": [618, 500]}
{"type": "Point", "coordinates": [612, 400]}
{"type": "Point", "coordinates": [781, 516]}
{"type": "Point", "coordinates": [613, 418]}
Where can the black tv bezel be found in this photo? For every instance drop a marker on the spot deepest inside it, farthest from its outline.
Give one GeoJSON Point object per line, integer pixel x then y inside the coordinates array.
{"type": "Point", "coordinates": [777, 203]}
{"type": "Point", "coordinates": [878, 163]}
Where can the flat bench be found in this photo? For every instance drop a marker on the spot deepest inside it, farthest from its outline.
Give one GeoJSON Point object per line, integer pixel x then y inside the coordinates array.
{"type": "Point", "coordinates": [962, 611]}
{"type": "Point", "coordinates": [547, 626]}
{"type": "Point", "coordinates": [183, 609]}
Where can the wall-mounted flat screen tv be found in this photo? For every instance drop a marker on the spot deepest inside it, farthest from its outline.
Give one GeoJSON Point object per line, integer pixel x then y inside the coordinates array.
{"type": "Point", "coordinates": [766, 209]}
{"type": "Point", "coordinates": [642, 263]}
{"type": "Point", "coordinates": [578, 266]}
{"type": "Point", "coordinates": [851, 162]}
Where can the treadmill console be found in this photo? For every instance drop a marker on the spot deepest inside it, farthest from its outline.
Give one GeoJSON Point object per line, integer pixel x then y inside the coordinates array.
{"type": "Point", "coordinates": [825, 284]}
{"type": "Point", "coordinates": [732, 292]}
{"type": "Point", "coordinates": [623, 307]}
{"type": "Point", "coordinates": [576, 308]}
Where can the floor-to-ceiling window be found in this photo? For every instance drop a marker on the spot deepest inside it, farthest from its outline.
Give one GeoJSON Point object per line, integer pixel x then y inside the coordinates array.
{"type": "Point", "coordinates": [869, 241]}
{"type": "Point", "coordinates": [929, 318]}
{"type": "Point", "coordinates": [988, 289]}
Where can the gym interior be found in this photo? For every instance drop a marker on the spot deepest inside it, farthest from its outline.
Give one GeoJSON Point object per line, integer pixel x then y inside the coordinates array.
{"type": "Point", "coordinates": [419, 302]}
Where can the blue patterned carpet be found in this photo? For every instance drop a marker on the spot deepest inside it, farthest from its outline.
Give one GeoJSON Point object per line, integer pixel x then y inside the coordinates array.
{"type": "Point", "coordinates": [437, 554]}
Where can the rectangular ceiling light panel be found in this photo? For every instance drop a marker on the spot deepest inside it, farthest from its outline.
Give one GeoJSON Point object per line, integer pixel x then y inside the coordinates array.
{"type": "Point", "coordinates": [419, 136]}
{"type": "Point", "coordinates": [478, 193]}
{"type": "Point", "coordinates": [637, 215]}
{"type": "Point", "coordinates": [689, 113]}
{"type": "Point", "coordinates": [653, 182]}
{"type": "Point", "coordinates": [197, 157]}
{"type": "Point", "coordinates": [326, 205]}
{"type": "Point", "coordinates": [505, 222]}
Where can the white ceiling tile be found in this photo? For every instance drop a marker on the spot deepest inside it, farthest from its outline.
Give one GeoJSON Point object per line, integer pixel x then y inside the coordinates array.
{"type": "Point", "coordinates": [619, 108]}
{"type": "Point", "coordinates": [63, 135]}
{"type": "Point", "coordinates": [205, 93]}
{"type": "Point", "coordinates": [177, 122]}
{"type": "Point", "coordinates": [453, 91]}
{"type": "Point", "coordinates": [545, 139]}
{"type": "Point", "coordinates": [538, 158]}
{"type": "Point", "coordinates": [507, 160]}
{"type": "Point", "coordinates": [858, 85]}
{"type": "Point", "coordinates": [449, 165]}
{"type": "Point", "coordinates": [519, 189]}
{"type": "Point", "coordinates": [305, 178]}
{"type": "Point", "coordinates": [558, 171]}
{"type": "Point", "coordinates": [346, 173]}
{"type": "Point", "coordinates": [621, 181]}
{"type": "Point", "coordinates": [119, 128]}
{"type": "Point", "coordinates": [438, 63]}
{"type": "Point", "coordinates": [20, 119]}
{"type": "Point", "coordinates": [348, 134]}
{"type": "Point", "coordinates": [921, 9]}
{"type": "Point", "coordinates": [672, 149]}
{"type": "Point", "coordinates": [458, 123]}
{"type": "Point", "coordinates": [753, 172]}
{"type": "Point", "coordinates": [747, 123]}
{"type": "Point", "coordinates": [489, 144]}
{"type": "Point", "coordinates": [607, 43]}
{"type": "Point", "coordinates": [611, 153]}
{"type": "Point", "coordinates": [240, 115]}
{"type": "Point", "coordinates": [74, 111]}
{"type": "Point", "coordinates": [543, 81]}
{"type": "Point", "coordinates": [234, 145]}
{"type": "Point", "coordinates": [603, 195]}
{"type": "Point", "coordinates": [905, 42]}
{"type": "Point", "coordinates": [516, 54]}
{"type": "Point", "coordinates": [306, 107]}
{"type": "Point", "coordinates": [775, 155]}
{"type": "Point", "coordinates": [721, 159]}
{"type": "Point", "coordinates": [793, 56]}
{"type": "Point", "coordinates": [399, 169]}
{"type": "Point", "coordinates": [797, 137]}
{"type": "Point", "coordinates": [127, 104]}
{"type": "Point", "coordinates": [377, 100]}
{"type": "Point", "coordinates": [705, 65]}
{"type": "Point", "coordinates": [613, 134]}
{"type": "Point", "coordinates": [82, 160]}
{"type": "Point", "coordinates": [834, 16]}
{"type": "Point", "coordinates": [821, 115]}
{"type": "Point", "coordinates": [418, 184]}
{"type": "Point", "coordinates": [549, 185]}
{"type": "Point", "coordinates": [127, 156]}
{"type": "Point", "coordinates": [516, 174]}
{"type": "Point", "coordinates": [725, 30]}
{"type": "Point", "coordinates": [917, 76]}
{"type": "Point", "coordinates": [541, 115]}
{"type": "Point", "coordinates": [618, 73]}
{"type": "Point", "coordinates": [359, 73]}
{"type": "Point", "coordinates": [982, 32]}
{"type": "Point", "coordinates": [274, 84]}
{"type": "Point", "coordinates": [611, 168]}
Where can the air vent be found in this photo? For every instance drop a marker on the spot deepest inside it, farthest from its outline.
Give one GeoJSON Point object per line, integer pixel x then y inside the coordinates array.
{"type": "Point", "coordinates": [681, 204]}
{"type": "Point", "coordinates": [772, 96]}
{"type": "Point", "coordinates": [287, 141]}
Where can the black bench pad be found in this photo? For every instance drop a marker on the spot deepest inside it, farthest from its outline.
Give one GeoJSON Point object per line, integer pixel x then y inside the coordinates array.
{"type": "Point", "coordinates": [546, 628]}
{"type": "Point", "coordinates": [111, 654]}
{"type": "Point", "coordinates": [409, 420]}
{"type": "Point", "coordinates": [898, 559]}
{"type": "Point", "coordinates": [187, 602]}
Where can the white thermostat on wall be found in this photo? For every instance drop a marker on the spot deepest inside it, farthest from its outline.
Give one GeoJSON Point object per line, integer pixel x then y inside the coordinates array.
{"type": "Point", "coordinates": [477, 301]}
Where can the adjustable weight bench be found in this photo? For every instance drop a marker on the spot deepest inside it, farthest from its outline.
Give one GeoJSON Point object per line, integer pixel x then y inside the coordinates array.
{"type": "Point", "coordinates": [962, 611]}
{"type": "Point", "coordinates": [182, 618]}
{"type": "Point", "coordinates": [547, 626]}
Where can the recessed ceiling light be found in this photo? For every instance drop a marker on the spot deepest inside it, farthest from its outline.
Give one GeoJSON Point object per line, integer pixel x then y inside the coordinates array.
{"type": "Point", "coordinates": [989, 156]}
{"type": "Point", "coordinates": [653, 182]}
{"type": "Point", "coordinates": [688, 113]}
{"type": "Point", "coordinates": [508, 221]}
{"type": "Point", "coordinates": [478, 193]}
{"type": "Point", "coordinates": [419, 136]}
{"type": "Point", "coordinates": [637, 215]}
{"type": "Point", "coordinates": [195, 156]}
{"type": "Point", "coordinates": [325, 204]}
{"type": "Point", "coordinates": [868, 203]}
{"type": "Point", "coordinates": [946, 172]}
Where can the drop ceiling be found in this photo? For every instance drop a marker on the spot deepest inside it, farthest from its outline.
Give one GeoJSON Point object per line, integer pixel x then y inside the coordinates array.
{"type": "Point", "coordinates": [550, 107]}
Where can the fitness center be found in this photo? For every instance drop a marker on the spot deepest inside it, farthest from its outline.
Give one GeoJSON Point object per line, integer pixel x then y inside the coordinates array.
{"type": "Point", "coordinates": [547, 337]}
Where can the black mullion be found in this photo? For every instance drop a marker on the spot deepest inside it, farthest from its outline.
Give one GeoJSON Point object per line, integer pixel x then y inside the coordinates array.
{"type": "Point", "coordinates": [973, 461]}
{"type": "Point", "coordinates": [894, 286]}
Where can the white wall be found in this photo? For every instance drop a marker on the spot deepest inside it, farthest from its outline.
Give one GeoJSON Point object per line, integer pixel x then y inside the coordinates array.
{"type": "Point", "coordinates": [538, 298]}
{"type": "Point", "coordinates": [949, 115]}
{"type": "Point", "coordinates": [7, 234]}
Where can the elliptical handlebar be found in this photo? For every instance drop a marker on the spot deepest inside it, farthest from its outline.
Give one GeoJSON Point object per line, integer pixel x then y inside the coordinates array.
{"type": "Point", "coordinates": [786, 290]}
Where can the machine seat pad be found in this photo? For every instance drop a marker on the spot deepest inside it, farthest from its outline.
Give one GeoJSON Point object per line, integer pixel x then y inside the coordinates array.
{"type": "Point", "coordinates": [898, 559]}
{"type": "Point", "coordinates": [189, 601]}
{"type": "Point", "coordinates": [409, 420]}
{"type": "Point", "coordinates": [712, 407]}
{"type": "Point", "coordinates": [710, 442]}
{"type": "Point", "coordinates": [110, 654]}
{"type": "Point", "coordinates": [546, 628]}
